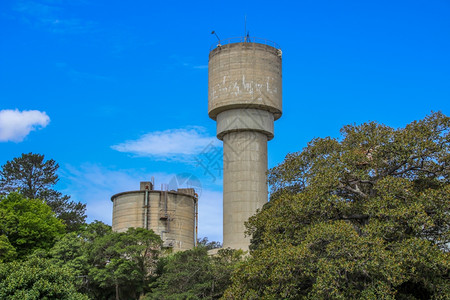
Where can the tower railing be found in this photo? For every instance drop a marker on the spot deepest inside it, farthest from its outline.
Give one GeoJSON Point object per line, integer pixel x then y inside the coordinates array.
{"type": "Point", "coordinates": [245, 39]}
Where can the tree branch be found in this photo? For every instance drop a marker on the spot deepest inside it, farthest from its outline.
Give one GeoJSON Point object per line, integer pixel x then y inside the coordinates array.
{"type": "Point", "coordinates": [355, 190]}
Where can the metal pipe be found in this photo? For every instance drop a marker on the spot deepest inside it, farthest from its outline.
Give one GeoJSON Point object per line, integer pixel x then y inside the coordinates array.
{"type": "Point", "coordinates": [146, 209]}
{"type": "Point", "coordinates": [196, 221]}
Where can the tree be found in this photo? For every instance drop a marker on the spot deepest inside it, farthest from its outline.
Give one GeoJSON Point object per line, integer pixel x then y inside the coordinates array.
{"type": "Point", "coordinates": [193, 274]}
{"type": "Point", "coordinates": [34, 178]}
{"type": "Point", "coordinates": [124, 263]}
{"type": "Point", "coordinates": [7, 251]}
{"type": "Point", "coordinates": [28, 224]}
{"type": "Point", "coordinates": [74, 251]}
{"type": "Point", "coordinates": [37, 278]}
{"type": "Point", "coordinates": [71, 251]}
{"type": "Point", "coordinates": [30, 174]}
{"type": "Point", "coordinates": [224, 263]}
{"type": "Point", "coordinates": [204, 242]}
{"type": "Point", "coordinates": [364, 217]}
{"type": "Point", "coordinates": [186, 275]}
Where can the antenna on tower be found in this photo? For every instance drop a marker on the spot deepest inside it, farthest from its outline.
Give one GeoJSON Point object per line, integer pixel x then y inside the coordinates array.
{"type": "Point", "coordinates": [245, 25]}
{"type": "Point", "coordinates": [213, 32]}
{"type": "Point", "coordinates": [246, 33]}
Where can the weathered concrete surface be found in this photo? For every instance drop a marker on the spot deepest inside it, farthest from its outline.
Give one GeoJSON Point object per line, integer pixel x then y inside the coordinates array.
{"type": "Point", "coordinates": [175, 221]}
{"type": "Point", "coordinates": [245, 98]}
{"type": "Point", "coordinates": [244, 75]}
{"type": "Point", "coordinates": [244, 183]}
{"type": "Point", "coordinates": [244, 119]}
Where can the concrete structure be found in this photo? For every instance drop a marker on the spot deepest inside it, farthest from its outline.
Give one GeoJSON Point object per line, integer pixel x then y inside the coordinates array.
{"type": "Point", "coordinates": [171, 214]}
{"type": "Point", "coordinates": [244, 98]}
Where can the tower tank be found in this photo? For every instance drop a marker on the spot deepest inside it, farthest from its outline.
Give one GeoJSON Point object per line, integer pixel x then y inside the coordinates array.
{"type": "Point", "coordinates": [245, 98]}
{"type": "Point", "coordinates": [170, 214]}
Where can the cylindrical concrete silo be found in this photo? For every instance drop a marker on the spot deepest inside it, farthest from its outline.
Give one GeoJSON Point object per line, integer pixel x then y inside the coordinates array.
{"type": "Point", "coordinates": [244, 98]}
{"type": "Point", "coordinates": [170, 214]}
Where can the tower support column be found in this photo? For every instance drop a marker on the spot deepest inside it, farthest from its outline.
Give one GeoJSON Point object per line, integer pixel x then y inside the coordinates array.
{"type": "Point", "coordinates": [244, 183]}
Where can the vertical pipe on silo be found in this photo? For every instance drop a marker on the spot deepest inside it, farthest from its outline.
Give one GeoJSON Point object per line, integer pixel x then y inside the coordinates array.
{"type": "Point", "coordinates": [196, 220]}
{"type": "Point", "coordinates": [146, 209]}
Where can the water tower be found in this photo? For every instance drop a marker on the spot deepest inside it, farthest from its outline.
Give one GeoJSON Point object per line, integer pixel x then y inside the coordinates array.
{"type": "Point", "coordinates": [172, 214]}
{"type": "Point", "coordinates": [245, 99]}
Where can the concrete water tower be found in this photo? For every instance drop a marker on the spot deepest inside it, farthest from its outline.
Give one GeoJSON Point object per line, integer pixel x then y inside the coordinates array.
{"type": "Point", "coordinates": [244, 98]}
{"type": "Point", "coordinates": [172, 214]}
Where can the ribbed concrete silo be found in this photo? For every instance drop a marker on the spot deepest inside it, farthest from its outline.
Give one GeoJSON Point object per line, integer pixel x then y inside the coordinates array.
{"type": "Point", "coordinates": [170, 214]}
{"type": "Point", "coordinates": [245, 98]}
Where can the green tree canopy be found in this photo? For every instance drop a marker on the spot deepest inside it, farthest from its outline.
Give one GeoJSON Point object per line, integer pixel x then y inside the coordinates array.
{"type": "Point", "coordinates": [124, 263]}
{"type": "Point", "coordinates": [74, 251]}
{"type": "Point", "coordinates": [28, 224]}
{"type": "Point", "coordinates": [37, 279]}
{"type": "Point", "coordinates": [363, 217]}
{"type": "Point", "coordinates": [209, 245]}
{"type": "Point", "coordinates": [34, 177]}
{"type": "Point", "coordinates": [193, 274]}
{"type": "Point", "coordinates": [31, 174]}
{"type": "Point", "coordinates": [7, 251]}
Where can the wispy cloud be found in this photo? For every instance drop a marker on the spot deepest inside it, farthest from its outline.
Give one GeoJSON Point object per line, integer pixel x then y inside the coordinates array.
{"type": "Point", "coordinates": [171, 144]}
{"type": "Point", "coordinates": [94, 185]}
{"type": "Point", "coordinates": [79, 75]}
{"type": "Point", "coordinates": [186, 62]}
{"type": "Point", "coordinates": [50, 16]}
{"type": "Point", "coordinates": [201, 67]}
{"type": "Point", "coordinates": [66, 17]}
{"type": "Point", "coordinates": [33, 8]}
{"type": "Point", "coordinates": [15, 125]}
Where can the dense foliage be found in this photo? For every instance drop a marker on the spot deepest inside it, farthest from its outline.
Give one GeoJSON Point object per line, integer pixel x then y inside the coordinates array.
{"type": "Point", "coordinates": [364, 217]}
{"type": "Point", "coordinates": [7, 251]}
{"type": "Point", "coordinates": [73, 251]}
{"type": "Point", "coordinates": [125, 261]}
{"type": "Point", "coordinates": [209, 245]}
{"type": "Point", "coordinates": [193, 274]}
{"type": "Point", "coordinates": [27, 225]}
{"type": "Point", "coordinates": [33, 177]}
{"type": "Point", "coordinates": [37, 278]}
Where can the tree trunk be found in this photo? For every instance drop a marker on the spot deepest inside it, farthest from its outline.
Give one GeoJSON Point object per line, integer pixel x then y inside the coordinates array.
{"type": "Point", "coordinates": [117, 291]}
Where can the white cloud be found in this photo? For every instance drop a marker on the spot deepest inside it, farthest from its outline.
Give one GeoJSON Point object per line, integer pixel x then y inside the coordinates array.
{"type": "Point", "coordinates": [171, 144]}
{"type": "Point", "coordinates": [94, 185]}
{"type": "Point", "coordinates": [15, 125]}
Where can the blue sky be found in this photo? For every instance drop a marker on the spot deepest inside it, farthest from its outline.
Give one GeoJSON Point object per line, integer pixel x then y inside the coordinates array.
{"type": "Point", "coordinates": [116, 91]}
